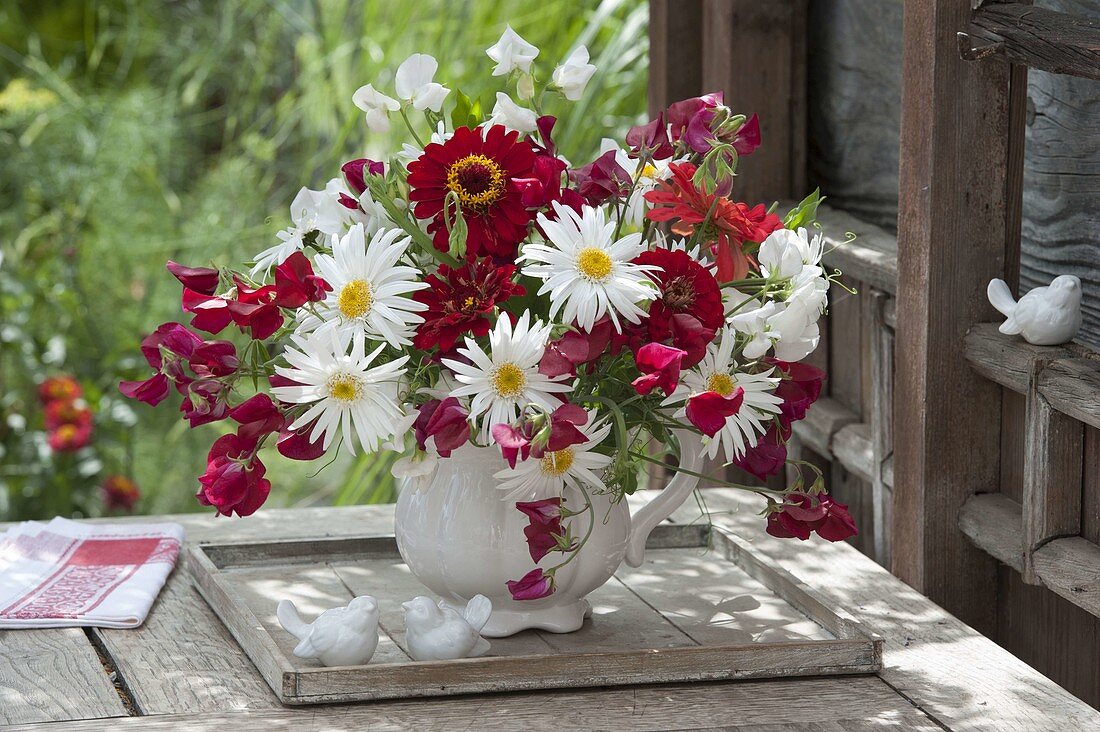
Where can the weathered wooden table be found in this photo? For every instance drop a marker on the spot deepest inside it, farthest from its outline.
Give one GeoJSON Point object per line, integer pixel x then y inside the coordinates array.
{"type": "Point", "coordinates": [181, 670]}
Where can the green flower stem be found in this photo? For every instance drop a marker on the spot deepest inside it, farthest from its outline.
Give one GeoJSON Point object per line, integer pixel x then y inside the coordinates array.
{"type": "Point", "coordinates": [703, 476]}
{"type": "Point", "coordinates": [405, 116]}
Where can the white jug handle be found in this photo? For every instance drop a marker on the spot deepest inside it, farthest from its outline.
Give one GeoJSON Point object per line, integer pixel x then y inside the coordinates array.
{"type": "Point", "coordinates": [675, 493]}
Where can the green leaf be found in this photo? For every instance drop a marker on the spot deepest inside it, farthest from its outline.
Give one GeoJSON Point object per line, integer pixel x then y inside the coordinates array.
{"type": "Point", "coordinates": [805, 213]}
{"type": "Point", "coordinates": [467, 111]}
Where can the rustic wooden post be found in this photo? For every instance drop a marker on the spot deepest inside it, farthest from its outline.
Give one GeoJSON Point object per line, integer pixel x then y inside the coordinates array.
{"type": "Point", "coordinates": [755, 52]}
{"type": "Point", "coordinates": [952, 239]}
{"type": "Point", "coordinates": [675, 52]}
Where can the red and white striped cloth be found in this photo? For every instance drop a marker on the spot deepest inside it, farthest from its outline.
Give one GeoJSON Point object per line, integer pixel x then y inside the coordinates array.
{"type": "Point", "coordinates": [64, 573]}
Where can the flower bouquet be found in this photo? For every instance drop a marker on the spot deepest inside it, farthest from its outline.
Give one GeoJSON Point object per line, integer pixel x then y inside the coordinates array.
{"type": "Point", "coordinates": [528, 333]}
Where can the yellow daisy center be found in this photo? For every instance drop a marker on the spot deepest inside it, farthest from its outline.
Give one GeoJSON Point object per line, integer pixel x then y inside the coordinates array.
{"type": "Point", "coordinates": [721, 383]}
{"type": "Point", "coordinates": [345, 388]}
{"type": "Point", "coordinates": [558, 462]}
{"type": "Point", "coordinates": [649, 171]}
{"type": "Point", "coordinates": [595, 264]}
{"type": "Point", "coordinates": [508, 380]}
{"type": "Point", "coordinates": [355, 299]}
{"type": "Point", "coordinates": [477, 180]}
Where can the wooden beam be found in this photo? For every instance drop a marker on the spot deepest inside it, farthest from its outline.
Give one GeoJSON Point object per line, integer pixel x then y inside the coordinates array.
{"type": "Point", "coordinates": [1072, 385]}
{"type": "Point", "coordinates": [1060, 43]}
{"type": "Point", "coordinates": [1007, 360]}
{"type": "Point", "coordinates": [994, 522]}
{"type": "Point", "coordinates": [755, 53]}
{"type": "Point", "coordinates": [882, 420]}
{"type": "Point", "coordinates": [675, 52]}
{"type": "Point", "coordinates": [1071, 568]}
{"type": "Point", "coordinates": [951, 241]}
{"type": "Point", "coordinates": [1053, 459]}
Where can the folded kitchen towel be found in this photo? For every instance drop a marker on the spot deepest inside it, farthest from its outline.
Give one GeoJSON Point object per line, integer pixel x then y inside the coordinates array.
{"type": "Point", "coordinates": [64, 573]}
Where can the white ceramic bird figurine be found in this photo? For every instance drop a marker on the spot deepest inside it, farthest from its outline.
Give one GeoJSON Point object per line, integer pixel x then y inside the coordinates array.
{"type": "Point", "coordinates": [341, 636]}
{"type": "Point", "coordinates": [1045, 316]}
{"type": "Point", "coordinates": [438, 633]}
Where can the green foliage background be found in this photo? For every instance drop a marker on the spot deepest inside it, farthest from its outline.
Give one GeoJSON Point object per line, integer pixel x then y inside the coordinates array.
{"type": "Point", "coordinates": [133, 131]}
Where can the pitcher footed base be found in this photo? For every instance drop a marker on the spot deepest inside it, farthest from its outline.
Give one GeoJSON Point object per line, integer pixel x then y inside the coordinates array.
{"type": "Point", "coordinates": [561, 619]}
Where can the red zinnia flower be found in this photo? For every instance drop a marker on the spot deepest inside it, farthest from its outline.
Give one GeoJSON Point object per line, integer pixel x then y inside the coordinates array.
{"type": "Point", "coordinates": [686, 287]}
{"type": "Point", "coordinates": [730, 224]}
{"type": "Point", "coordinates": [480, 171]}
{"type": "Point", "coordinates": [59, 388]}
{"type": "Point", "coordinates": [120, 493]}
{"type": "Point", "coordinates": [461, 301]}
{"type": "Point", "coordinates": [70, 437]}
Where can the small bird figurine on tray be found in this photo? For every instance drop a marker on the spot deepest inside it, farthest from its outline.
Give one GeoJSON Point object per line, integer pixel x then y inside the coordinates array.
{"type": "Point", "coordinates": [341, 636]}
{"type": "Point", "coordinates": [1045, 316]}
{"type": "Point", "coordinates": [438, 633]}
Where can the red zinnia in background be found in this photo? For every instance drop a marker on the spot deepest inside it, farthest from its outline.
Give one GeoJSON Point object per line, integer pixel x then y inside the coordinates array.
{"type": "Point", "coordinates": [730, 225]}
{"type": "Point", "coordinates": [461, 300]}
{"type": "Point", "coordinates": [685, 287]}
{"type": "Point", "coordinates": [480, 172]}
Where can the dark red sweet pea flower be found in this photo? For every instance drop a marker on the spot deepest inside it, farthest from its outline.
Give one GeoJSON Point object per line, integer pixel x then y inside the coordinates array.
{"type": "Point", "coordinates": [356, 172]}
{"type": "Point", "coordinates": [447, 422]}
{"type": "Point", "coordinates": [602, 179]}
{"type": "Point", "coordinates": [651, 139]}
{"type": "Point", "coordinates": [799, 389]}
{"type": "Point", "coordinates": [545, 525]}
{"type": "Point", "coordinates": [255, 312]}
{"type": "Point", "coordinates": [204, 402]}
{"type": "Point", "coordinates": [708, 411]}
{"type": "Point", "coordinates": [152, 391]}
{"type": "Point", "coordinates": [564, 422]}
{"type": "Point", "coordinates": [660, 367]}
{"type": "Point", "coordinates": [534, 585]}
{"type": "Point", "coordinates": [768, 456]}
{"type": "Point", "coordinates": [296, 445]}
{"type": "Point", "coordinates": [234, 479]}
{"type": "Point", "coordinates": [202, 280]}
{"type": "Point", "coordinates": [461, 302]}
{"type": "Point", "coordinates": [684, 286]}
{"type": "Point", "coordinates": [576, 348]}
{"type": "Point", "coordinates": [296, 284]}
{"type": "Point", "coordinates": [691, 337]}
{"type": "Point", "coordinates": [480, 166]}
{"type": "Point", "coordinates": [210, 313]}
{"type": "Point", "coordinates": [214, 359]}
{"type": "Point", "coordinates": [171, 337]}
{"type": "Point", "coordinates": [257, 416]}
{"type": "Point", "coordinates": [800, 514]}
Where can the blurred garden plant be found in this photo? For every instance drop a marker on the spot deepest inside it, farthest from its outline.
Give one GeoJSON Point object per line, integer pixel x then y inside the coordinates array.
{"type": "Point", "coordinates": [133, 132]}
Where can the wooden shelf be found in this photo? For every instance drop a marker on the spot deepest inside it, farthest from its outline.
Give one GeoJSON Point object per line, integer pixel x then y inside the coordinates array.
{"type": "Point", "coordinates": [835, 432]}
{"type": "Point", "coordinates": [994, 523]}
{"type": "Point", "coordinates": [1044, 39]}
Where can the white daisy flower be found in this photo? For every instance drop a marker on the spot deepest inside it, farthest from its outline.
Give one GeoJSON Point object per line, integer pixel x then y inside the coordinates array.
{"type": "Point", "coordinates": [347, 395]}
{"type": "Point", "coordinates": [586, 273]}
{"type": "Point", "coordinates": [533, 479]}
{"type": "Point", "coordinates": [718, 372]}
{"type": "Point", "coordinates": [369, 289]}
{"type": "Point", "coordinates": [508, 378]}
{"type": "Point", "coordinates": [310, 211]}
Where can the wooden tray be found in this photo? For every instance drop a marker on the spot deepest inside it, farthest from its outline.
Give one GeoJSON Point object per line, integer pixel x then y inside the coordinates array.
{"type": "Point", "coordinates": [702, 607]}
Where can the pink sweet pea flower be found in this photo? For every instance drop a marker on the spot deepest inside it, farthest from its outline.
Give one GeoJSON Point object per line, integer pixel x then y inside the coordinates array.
{"type": "Point", "coordinates": [534, 585]}
{"type": "Point", "coordinates": [708, 411]}
{"type": "Point", "coordinates": [575, 348]}
{"type": "Point", "coordinates": [747, 137]}
{"type": "Point", "coordinates": [514, 443]}
{"type": "Point", "coordinates": [651, 138]}
{"type": "Point", "coordinates": [660, 367]}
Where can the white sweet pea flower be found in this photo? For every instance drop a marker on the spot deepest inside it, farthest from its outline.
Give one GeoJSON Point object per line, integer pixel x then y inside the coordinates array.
{"type": "Point", "coordinates": [417, 468]}
{"type": "Point", "coordinates": [310, 211]}
{"type": "Point", "coordinates": [511, 52]}
{"type": "Point", "coordinates": [511, 115]}
{"type": "Point", "coordinates": [785, 252]}
{"type": "Point", "coordinates": [377, 106]}
{"type": "Point", "coordinates": [795, 331]}
{"type": "Point", "coordinates": [414, 83]}
{"type": "Point", "coordinates": [573, 75]}
{"type": "Point", "coordinates": [754, 322]}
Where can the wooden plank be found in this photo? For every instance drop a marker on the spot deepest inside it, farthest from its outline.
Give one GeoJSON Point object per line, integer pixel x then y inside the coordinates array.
{"type": "Point", "coordinates": [853, 449]}
{"type": "Point", "coordinates": [824, 419]}
{"type": "Point", "coordinates": [1071, 567]}
{"type": "Point", "coordinates": [1072, 386]}
{"type": "Point", "coordinates": [769, 38]}
{"type": "Point", "coordinates": [1090, 489]}
{"type": "Point", "coordinates": [1007, 360]}
{"type": "Point", "coordinates": [1037, 37]}
{"type": "Point", "coordinates": [882, 422]}
{"type": "Point", "coordinates": [797, 704]}
{"type": "Point", "coordinates": [1054, 454]}
{"type": "Point", "coordinates": [675, 52]}
{"type": "Point", "coordinates": [53, 675]}
{"type": "Point", "coordinates": [994, 522]}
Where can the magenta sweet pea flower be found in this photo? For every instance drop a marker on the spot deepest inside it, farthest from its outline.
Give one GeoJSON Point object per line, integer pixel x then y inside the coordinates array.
{"type": "Point", "coordinates": [447, 422]}
{"type": "Point", "coordinates": [800, 514]}
{"type": "Point", "coordinates": [767, 457]}
{"type": "Point", "coordinates": [534, 585]}
{"type": "Point", "coordinates": [356, 172]}
{"type": "Point", "coordinates": [601, 179]}
{"type": "Point", "coordinates": [545, 525]}
{"type": "Point", "coordinates": [660, 367]}
{"type": "Point", "coordinates": [651, 138]}
{"type": "Point", "coordinates": [257, 416]}
{"type": "Point", "coordinates": [296, 284]}
{"type": "Point", "coordinates": [708, 411]}
{"type": "Point", "coordinates": [204, 402]}
{"type": "Point", "coordinates": [152, 391]}
{"type": "Point", "coordinates": [213, 359]}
